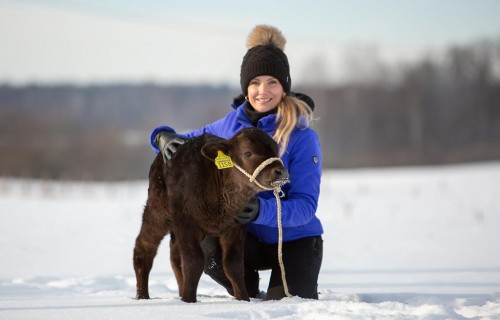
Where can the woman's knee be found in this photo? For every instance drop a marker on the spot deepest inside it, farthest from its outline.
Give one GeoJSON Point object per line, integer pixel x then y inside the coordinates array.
{"type": "Point", "coordinates": [213, 254]}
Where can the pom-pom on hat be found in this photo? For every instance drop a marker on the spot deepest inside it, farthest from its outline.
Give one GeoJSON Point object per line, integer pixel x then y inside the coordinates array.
{"type": "Point", "coordinates": [265, 56]}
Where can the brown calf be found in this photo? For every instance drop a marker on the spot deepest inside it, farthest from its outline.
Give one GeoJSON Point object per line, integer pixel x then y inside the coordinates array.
{"type": "Point", "coordinates": [190, 198]}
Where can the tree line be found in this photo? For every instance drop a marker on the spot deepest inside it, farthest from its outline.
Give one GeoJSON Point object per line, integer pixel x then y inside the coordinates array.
{"type": "Point", "coordinates": [437, 110]}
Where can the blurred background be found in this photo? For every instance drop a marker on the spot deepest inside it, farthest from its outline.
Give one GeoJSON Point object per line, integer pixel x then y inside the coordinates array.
{"type": "Point", "coordinates": [396, 83]}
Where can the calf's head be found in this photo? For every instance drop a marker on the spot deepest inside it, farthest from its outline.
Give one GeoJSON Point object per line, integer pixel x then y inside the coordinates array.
{"type": "Point", "coordinates": [248, 149]}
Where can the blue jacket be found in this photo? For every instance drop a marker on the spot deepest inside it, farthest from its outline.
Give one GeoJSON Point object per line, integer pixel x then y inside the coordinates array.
{"type": "Point", "coordinates": [302, 159]}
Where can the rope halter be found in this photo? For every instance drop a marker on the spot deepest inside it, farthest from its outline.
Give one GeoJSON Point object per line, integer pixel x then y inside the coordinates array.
{"type": "Point", "coordinates": [253, 177]}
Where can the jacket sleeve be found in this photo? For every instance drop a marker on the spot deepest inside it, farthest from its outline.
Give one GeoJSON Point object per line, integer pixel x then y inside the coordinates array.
{"type": "Point", "coordinates": [207, 129]}
{"type": "Point", "coordinates": [218, 128]}
{"type": "Point", "coordinates": [301, 201]}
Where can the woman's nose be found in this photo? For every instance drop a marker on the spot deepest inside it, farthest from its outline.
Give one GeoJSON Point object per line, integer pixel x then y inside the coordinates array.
{"type": "Point", "coordinates": [262, 88]}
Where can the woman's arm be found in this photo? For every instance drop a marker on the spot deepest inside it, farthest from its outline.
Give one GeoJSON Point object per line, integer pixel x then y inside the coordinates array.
{"type": "Point", "coordinates": [225, 128]}
{"type": "Point", "coordinates": [301, 201]}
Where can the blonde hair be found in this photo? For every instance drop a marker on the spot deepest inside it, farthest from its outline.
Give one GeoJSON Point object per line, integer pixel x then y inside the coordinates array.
{"type": "Point", "coordinates": [291, 113]}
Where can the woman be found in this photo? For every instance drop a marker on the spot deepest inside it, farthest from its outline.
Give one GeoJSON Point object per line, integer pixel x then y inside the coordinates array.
{"type": "Point", "coordinates": [268, 103]}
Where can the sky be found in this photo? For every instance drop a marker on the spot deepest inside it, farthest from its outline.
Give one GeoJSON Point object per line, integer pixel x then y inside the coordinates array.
{"type": "Point", "coordinates": [95, 41]}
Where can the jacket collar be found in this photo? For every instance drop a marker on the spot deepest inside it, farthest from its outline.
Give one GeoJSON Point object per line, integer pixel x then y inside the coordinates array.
{"type": "Point", "coordinates": [267, 123]}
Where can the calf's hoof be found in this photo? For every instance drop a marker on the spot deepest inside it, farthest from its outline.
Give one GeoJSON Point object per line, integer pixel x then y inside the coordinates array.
{"type": "Point", "coordinates": [189, 299]}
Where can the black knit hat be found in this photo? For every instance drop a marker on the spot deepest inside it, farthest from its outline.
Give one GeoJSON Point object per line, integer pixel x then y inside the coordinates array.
{"type": "Point", "coordinates": [265, 56]}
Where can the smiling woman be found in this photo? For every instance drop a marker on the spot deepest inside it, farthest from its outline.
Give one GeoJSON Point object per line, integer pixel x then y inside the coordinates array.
{"type": "Point", "coordinates": [264, 93]}
{"type": "Point", "coordinates": [268, 103]}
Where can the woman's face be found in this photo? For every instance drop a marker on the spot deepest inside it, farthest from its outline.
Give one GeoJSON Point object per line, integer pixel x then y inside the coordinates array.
{"type": "Point", "coordinates": [264, 93]}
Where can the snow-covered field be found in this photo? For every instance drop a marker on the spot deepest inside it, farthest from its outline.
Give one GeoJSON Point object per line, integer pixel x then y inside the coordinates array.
{"type": "Point", "coordinates": [401, 243]}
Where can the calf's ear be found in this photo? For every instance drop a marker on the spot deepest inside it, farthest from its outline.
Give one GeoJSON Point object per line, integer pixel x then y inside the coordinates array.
{"type": "Point", "coordinates": [210, 150]}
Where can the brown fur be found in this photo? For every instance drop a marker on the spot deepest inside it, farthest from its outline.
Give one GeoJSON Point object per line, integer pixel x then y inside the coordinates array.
{"type": "Point", "coordinates": [189, 197]}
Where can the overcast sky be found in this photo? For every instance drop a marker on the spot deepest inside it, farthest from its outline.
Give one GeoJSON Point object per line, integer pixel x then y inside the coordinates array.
{"type": "Point", "coordinates": [99, 41]}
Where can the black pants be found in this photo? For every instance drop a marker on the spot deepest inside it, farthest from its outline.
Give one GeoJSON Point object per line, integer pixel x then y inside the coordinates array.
{"type": "Point", "coordinates": [302, 260]}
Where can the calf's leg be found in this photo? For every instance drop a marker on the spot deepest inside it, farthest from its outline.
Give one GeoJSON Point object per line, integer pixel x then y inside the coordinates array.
{"type": "Point", "coordinates": [192, 261]}
{"type": "Point", "coordinates": [146, 247]}
{"type": "Point", "coordinates": [175, 261]}
{"type": "Point", "coordinates": [233, 243]}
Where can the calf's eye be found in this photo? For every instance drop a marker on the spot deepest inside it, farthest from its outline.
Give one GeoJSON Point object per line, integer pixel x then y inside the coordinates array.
{"type": "Point", "coordinates": [248, 154]}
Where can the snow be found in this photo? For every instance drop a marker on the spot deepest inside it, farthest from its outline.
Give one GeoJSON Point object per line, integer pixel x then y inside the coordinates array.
{"type": "Point", "coordinates": [400, 243]}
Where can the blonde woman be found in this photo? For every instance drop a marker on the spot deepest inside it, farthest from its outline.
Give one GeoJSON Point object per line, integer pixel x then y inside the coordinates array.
{"type": "Point", "coordinates": [268, 103]}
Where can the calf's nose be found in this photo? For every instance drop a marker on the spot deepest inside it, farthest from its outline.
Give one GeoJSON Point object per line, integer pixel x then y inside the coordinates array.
{"type": "Point", "coordinates": [281, 173]}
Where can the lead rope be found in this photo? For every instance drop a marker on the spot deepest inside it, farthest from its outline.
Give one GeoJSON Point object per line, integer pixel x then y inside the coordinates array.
{"type": "Point", "coordinates": [278, 193]}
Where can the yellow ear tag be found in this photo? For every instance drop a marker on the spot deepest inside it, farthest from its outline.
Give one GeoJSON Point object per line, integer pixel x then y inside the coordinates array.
{"type": "Point", "coordinates": [223, 161]}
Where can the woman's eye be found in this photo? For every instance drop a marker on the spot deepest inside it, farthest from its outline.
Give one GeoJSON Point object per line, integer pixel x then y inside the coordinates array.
{"type": "Point", "coordinates": [248, 154]}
